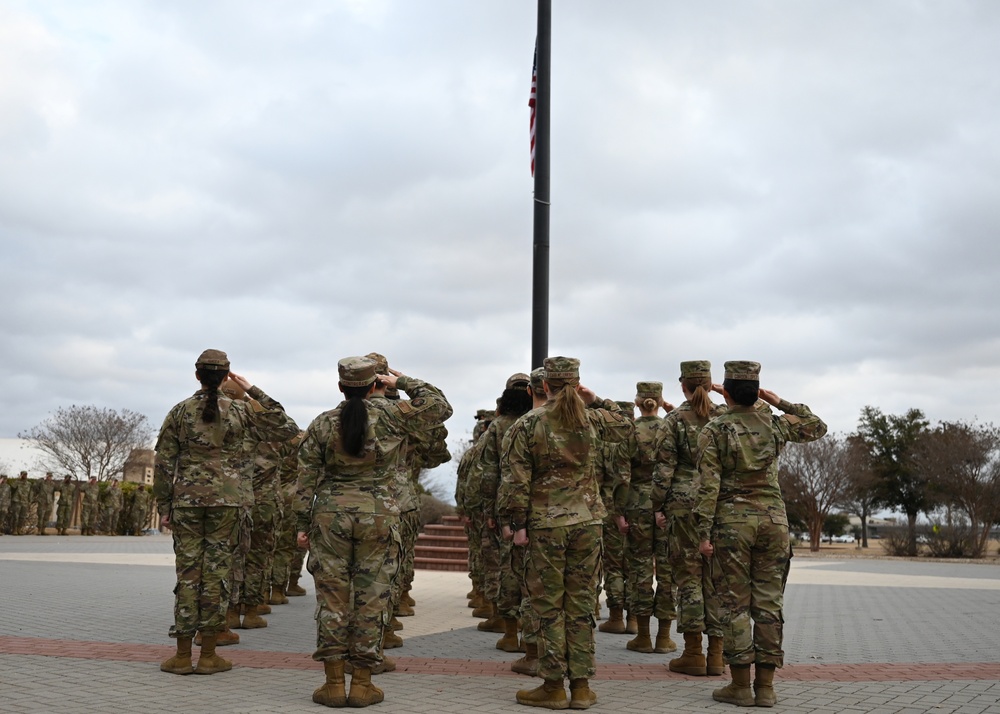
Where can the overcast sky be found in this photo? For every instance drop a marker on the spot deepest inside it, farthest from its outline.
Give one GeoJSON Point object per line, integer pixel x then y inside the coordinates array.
{"type": "Point", "coordinates": [812, 185]}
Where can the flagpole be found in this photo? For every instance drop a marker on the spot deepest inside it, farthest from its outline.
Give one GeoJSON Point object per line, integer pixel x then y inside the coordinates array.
{"type": "Point", "coordinates": [540, 270]}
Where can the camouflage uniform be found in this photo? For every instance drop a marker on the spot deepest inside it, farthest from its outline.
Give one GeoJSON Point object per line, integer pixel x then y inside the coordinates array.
{"type": "Point", "coordinates": [646, 550]}
{"type": "Point", "coordinates": [674, 493]}
{"type": "Point", "coordinates": [551, 488]}
{"type": "Point", "coordinates": [91, 491]}
{"type": "Point", "coordinates": [20, 502]}
{"type": "Point", "coordinates": [44, 494]}
{"type": "Point", "coordinates": [345, 504]}
{"type": "Point", "coordinates": [4, 503]}
{"type": "Point", "coordinates": [741, 512]}
{"type": "Point", "coordinates": [111, 508]}
{"type": "Point", "coordinates": [285, 547]}
{"type": "Point", "coordinates": [462, 509]}
{"type": "Point", "coordinates": [140, 510]}
{"type": "Point", "coordinates": [64, 509]}
{"type": "Point", "coordinates": [199, 481]}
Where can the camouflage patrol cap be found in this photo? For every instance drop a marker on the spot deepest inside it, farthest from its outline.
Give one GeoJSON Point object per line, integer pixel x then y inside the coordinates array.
{"type": "Point", "coordinates": [485, 414]}
{"type": "Point", "coordinates": [537, 375]}
{"type": "Point", "coordinates": [356, 371]}
{"type": "Point", "coordinates": [743, 369]}
{"type": "Point", "coordinates": [381, 363]}
{"type": "Point", "coordinates": [232, 390]}
{"type": "Point", "coordinates": [213, 359]}
{"type": "Point", "coordinates": [696, 369]}
{"type": "Point", "coordinates": [627, 407]}
{"type": "Point", "coordinates": [562, 370]}
{"type": "Point", "coordinates": [649, 390]}
{"type": "Point", "coordinates": [519, 379]}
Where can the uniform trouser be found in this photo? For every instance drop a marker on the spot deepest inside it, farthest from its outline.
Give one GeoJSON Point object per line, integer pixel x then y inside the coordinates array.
{"type": "Point", "coordinates": [562, 571]}
{"type": "Point", "coordinates": [111, 521]}
{"type": "Point", "coordinates": [63, 514]}
{"type": "Point", "coordinates": [139, 520]}
{"type": "Point", "coordinates": [747, 572]}
{"type": "Point", "coordinates": [284, 547]}
{"type": "Point", "coordinates": [43, 512]}
{"type": "Point", "coordinates": [260, 554]}
{"type": "Point", "coordinates": [88, 517]}
{"type": "Point", "coordinates": [474, 530]}
{"type": "Point", "coordinates": [529, 620]}
{"type": "Point", "coordinates": [18, 517]}
{"type": "Point", "coordinates": [241, 546]}
{"type": "Point", "coordinates": [203, 551]}
{"type": "Point", "coordinates": [490, 549]}
{"type": "Point", "coordinates": [686, 566]}
{"type": "Point", "coordinates": [409, 529]}
{"type": "Point", "coordinates": [646, 558]}
{"type": "Point", "coordinates": [614, 565]}
{"type": "Point", "coordinates": [353, 559]}
{"type": "Point", "coordinates": [509, 593]}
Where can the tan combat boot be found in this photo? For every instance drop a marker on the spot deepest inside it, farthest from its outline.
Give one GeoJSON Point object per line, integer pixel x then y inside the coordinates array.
{"type": "Point", "coordinates": [763, 686]}
{"type": "Point", "coordinates": [615, 624]}
{"type": "Point", "coordinates": [252, 620]}
{"type": "Point", "coordinates": [484, 610]}
{"type": "Point", "coordinates": [390, 640]}
{"type": "Point", "coordinates": [180, 663]}
{"type": "Point", "coordinates": [529, 663]}
{"type": "Point", "coordinates": [395, 625]}
{"type": "Point", "coordinates": [363, 692]}
{"type": "Point", "coordinates": [409, 598]}
{"type": "Point", "coordinates": [278, 596]}
{"type": "Point", "coordinates": [738, 691]}
{"type": "Point", "coordinates": [641, 642]}
{"type": "Point", "coordinates": [691, 661]}
{"type": "Point", "coordinates": [509, 641]}
{"type": "Point", "coordinates": [631, 625]}
{"type": "Point", "coordinates": [226, 637]}
{"type": "Point", "coordinates": [581, 696]}
{"type": "Point", "coordinates": [663, 642]}
{"type": "Point", "coordinates": [263, 609]}
{"type": "Point", "coordinates": [388, 664]}
{"type": "Point", "coordinates": [404, 608]}
{"type": "Point", "coordinates": [294, 589]}
{"type": "Point", "coordinates": [716, 665]}
{"type": "Point", "coordinates": [232, 618]}
{"type": "Point", "coordinates": [208, 661]}
{"type": "Point", "coordinates": [334, 692]}
{"type": "Point", "coordinates": [494, 623]}
{"type": "Point", "coordinates": [550, 695]}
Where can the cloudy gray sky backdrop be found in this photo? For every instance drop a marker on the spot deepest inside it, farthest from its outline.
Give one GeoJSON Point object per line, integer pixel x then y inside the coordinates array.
{"type": "Point", "coordinates": [813, 185]}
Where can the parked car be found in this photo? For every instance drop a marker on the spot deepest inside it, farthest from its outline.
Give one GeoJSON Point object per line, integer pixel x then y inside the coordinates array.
{"type": "Point", "coordinates": [843, 539]}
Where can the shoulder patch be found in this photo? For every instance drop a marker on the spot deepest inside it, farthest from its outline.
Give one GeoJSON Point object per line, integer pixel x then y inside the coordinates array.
{"type": "Point", "coordinates": [791, 419]}
{"type": "Point", "coordinates": [256, 406]}
{"type": "Point", "coordinates": [404, 406]}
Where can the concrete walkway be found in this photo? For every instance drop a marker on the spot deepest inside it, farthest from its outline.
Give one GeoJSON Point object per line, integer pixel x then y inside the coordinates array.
{"type": "Point", "coordinates": [83, 625]}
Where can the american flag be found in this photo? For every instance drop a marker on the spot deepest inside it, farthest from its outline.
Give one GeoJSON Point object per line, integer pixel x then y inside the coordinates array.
{"type": "Point", "coordinates": [531, 105]}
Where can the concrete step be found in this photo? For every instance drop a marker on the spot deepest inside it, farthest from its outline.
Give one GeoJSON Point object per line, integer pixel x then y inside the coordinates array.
{"type": "Point", "coordinates": [435, 552]}
{"type": "Point", "coordinates": [423, 563]}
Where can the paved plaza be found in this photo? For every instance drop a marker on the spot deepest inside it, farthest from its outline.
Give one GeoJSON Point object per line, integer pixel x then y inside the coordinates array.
{"type": "Point", "coordinates": [83, 626]}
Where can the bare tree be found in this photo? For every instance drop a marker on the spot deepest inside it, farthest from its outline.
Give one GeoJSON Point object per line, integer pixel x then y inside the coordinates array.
{"type": "Point", "coordinates": [814, 478]}
{"type": "Point", "coordinates": [90, 441]}
{"type": "Point", "coordinates": [863, 495]}
{"type": "Point", "coordinates": [962, 461]}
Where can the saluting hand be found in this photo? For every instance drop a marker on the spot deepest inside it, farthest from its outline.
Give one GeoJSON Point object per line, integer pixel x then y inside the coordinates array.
{"type": "Point", "coordinates": [241, 381]}
{"type": "Point", "coordinates": [768, 396]}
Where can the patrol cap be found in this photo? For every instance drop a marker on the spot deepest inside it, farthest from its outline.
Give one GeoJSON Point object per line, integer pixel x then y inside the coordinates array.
{"type": "Point", "coordinates": [696, 369]}
{"type": "Point", "coordinates": [485, 414]}
{"type": "Point", "coordinates": [537, 376]}
{"type": "Point", "coordinates": [743, 369]}
{"type": "Point", "coordinates": [649, 390]}
{"type": "Point", "coordinates": [627, 407]}
{"type": "Point", "coordinates": [381, 363]}
{"type": "Point", "coordinates": [562, 370]}
{"type": "Point", "coordinates": [519, 379]}
{"type": "Point", "coordinates": [356, 371]}
{"type": "Point", "coordinates": [213, 359]}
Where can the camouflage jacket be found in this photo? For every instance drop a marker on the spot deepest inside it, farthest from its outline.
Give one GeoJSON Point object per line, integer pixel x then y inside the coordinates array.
{"type": "Point", "coordinates": [44, 491]}
{"type": "Point", "coordinates": [462, 478]}
{"type": "Point", "coordinates": [206, 465]}
{"type": "Point", "coordinates": [112, 499]}
{"type": "Point", "coordinates": [331, 480]}
{"type": "Point", "coordinates": [643, 459]}
{"type": "Point", "coordinates": [20, 490]}
{"type": "Point", "coordinates": [4, 497]}
{"type": "Point", "coordinates": [737, 463]}
{"type": "Point", "coordinates": [91, 492]}
{"type": "Point", "coordinates": [675, 476]}
{"type": "Point", "coordinates": [551, 475]}
{"type": "Point", "coordinates": [484, 474]}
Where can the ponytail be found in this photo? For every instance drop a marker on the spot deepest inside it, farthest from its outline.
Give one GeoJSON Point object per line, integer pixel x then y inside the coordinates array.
{"type": "Point", "coordinates": [699, 401]}
{"type": "Point", "coordinates": [568, 406]}
{"type": "Point", "coordinates": [354, 419]}
{"type": "Point", "coordinates": [210, 380]}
